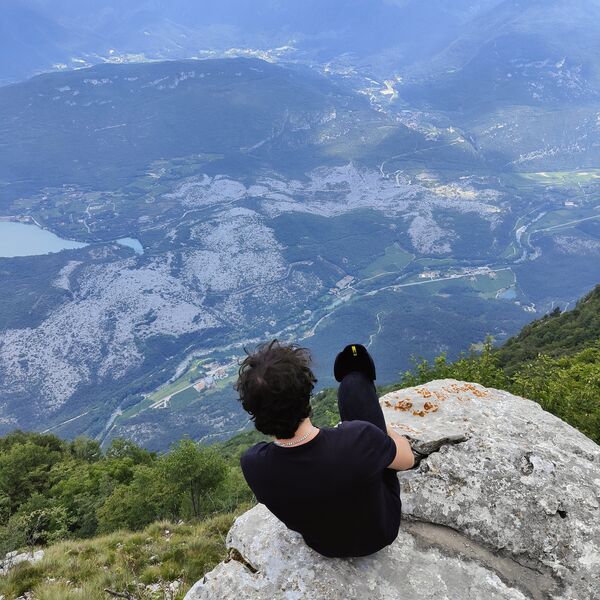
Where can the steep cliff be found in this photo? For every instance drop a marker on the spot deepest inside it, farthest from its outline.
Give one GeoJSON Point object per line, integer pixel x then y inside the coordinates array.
{"type": "Point", "coordinates": [504, 502]}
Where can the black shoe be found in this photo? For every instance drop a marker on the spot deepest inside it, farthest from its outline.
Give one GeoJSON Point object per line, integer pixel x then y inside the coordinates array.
{"type": "Point", "coordinates": [354, 357]}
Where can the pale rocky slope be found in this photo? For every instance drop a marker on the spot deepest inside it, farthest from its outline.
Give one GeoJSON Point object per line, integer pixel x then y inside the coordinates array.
{"type": "Point", "coordinates": [504, 504]}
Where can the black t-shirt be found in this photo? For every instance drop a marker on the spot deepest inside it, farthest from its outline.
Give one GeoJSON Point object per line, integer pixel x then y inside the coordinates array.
{"type": "Point", "coordinates": [334, 489]}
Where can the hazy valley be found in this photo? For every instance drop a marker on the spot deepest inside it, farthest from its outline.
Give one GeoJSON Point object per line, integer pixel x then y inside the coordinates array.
{"type": "Point", "coordinates": [311, 200]}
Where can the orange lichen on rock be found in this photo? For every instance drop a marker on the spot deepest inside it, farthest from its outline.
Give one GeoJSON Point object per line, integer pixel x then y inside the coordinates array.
{"type": "Point", "coordinates": [423, 392]}
{"type": "Point", "coordinates": [479, 393]}
{"type": "Point", "coordinates": [466, 387]}
{"type": "Point", "coordinates": [403, 405]}
{"type": "Point", "coordinates": [454, 388]}
{"type": "Point", "coordinates": [428, 407]}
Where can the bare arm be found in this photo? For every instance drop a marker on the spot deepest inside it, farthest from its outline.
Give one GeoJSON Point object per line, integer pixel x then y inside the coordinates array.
{"type": "Point", "coordinates": [404, 455]}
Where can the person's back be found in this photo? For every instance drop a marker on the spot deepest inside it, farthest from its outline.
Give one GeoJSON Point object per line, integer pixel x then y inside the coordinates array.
{"type": "Point", "coordinates": [335, 490]}
{"type": "Point", "coordinates": [336, 486]}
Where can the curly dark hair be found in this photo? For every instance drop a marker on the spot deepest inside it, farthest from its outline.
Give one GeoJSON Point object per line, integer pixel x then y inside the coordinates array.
{"type": "Point", "coordinates": [274, 384]}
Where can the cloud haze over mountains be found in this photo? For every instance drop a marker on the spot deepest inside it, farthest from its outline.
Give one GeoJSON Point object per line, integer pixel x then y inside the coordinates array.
{"type": "Point", "coordinates": [40, 33]}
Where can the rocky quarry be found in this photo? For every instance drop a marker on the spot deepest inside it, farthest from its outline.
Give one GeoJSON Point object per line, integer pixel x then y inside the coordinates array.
{"type": "Point", "coordinates": [503, 503]}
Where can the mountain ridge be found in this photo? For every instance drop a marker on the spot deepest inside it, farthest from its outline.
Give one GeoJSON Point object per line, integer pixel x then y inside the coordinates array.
{"type": "Point", "coordinates": [556, 334]}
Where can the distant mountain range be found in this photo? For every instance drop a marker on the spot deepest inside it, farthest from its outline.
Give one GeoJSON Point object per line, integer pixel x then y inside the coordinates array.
{"type": "Point", "coordinates": [89, 125]}
{"type": "Point", "coordinates": [414, 184]}
{"type": "Point", "coordinates": [535, 52]}
{"type": "Point", "coordinates": [477, 60]}
{"type": "Point", "coordinates": [407, 35]}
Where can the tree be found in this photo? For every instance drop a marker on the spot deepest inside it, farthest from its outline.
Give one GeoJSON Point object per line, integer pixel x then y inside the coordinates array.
{"type": "Point", "coordinates": [122, 448]}
{"type": "Point", "coordinates": [135, 505]}
{"type": "Point", "coordinates": [479, 367]}
{"type": "Point", "coordinates": [24, 469]}
{"type": "Point", "coordinates": [41, 526]}
{"type": "Point", "coordinates": [567, 387]}
{"type": "Point", "coordinates": [193, 471]}
{"type": "Point", "coordinates": [85, 449]}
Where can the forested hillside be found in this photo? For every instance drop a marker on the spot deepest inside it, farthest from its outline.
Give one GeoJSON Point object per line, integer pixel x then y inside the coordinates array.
{"type": "Point", "coordinates": [557, 334]}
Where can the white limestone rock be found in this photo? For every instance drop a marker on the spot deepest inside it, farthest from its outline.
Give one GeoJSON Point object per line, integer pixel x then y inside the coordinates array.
{"type": "Point", "coordinates": [12, 559]}
{"type": "Point", "coordinates": [503, 503]}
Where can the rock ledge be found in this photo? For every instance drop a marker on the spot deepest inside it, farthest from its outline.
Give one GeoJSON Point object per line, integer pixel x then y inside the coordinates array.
{"type": "Point", "coordinates": [504, 503]}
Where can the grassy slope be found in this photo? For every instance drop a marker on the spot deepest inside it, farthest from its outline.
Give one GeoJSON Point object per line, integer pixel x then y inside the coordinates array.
{"type": "Point", "coordinates": [125, 562]}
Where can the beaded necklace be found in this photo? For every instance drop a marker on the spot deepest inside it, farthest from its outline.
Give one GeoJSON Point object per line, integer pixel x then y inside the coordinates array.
{"type": "Point", "coordinates": [297, 441]}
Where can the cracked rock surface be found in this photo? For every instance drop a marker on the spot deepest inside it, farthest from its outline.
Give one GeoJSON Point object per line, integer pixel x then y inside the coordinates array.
{"type": "Point", "coordinates": [503, 503]}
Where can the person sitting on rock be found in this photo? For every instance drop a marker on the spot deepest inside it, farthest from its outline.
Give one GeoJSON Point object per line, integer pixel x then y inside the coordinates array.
{"type": "Point", "coordinates": [336, 486]}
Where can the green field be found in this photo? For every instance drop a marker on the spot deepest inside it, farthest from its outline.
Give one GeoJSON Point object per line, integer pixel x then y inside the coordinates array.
{"type": "Point", "coordinates": [194, 372]}
{"type": "Point", "coordinates": [489, 288]}
{"type": "Point", "coordinates": [563, 178]}
{"type": "Point", "coordinates": [181, 391]}
{"type": "Point", "coordinates": [434, 263]}
{"type": "Point", "coordinates": [565, 218]}
{"type": "Point", "coordinates": [486, 286]}
{"type": "Point", "coordinates": [394, 260]}
{"type": "Point", "coordinates": [185, 397]}
{"type": "Point", "coordinates": [175, 388]}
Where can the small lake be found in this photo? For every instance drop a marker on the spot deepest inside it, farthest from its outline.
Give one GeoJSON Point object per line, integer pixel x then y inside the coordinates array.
{"type": "Point", "coordinates": [23, 239]}
{"type": "Point", "coordinates": [131, 243]}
